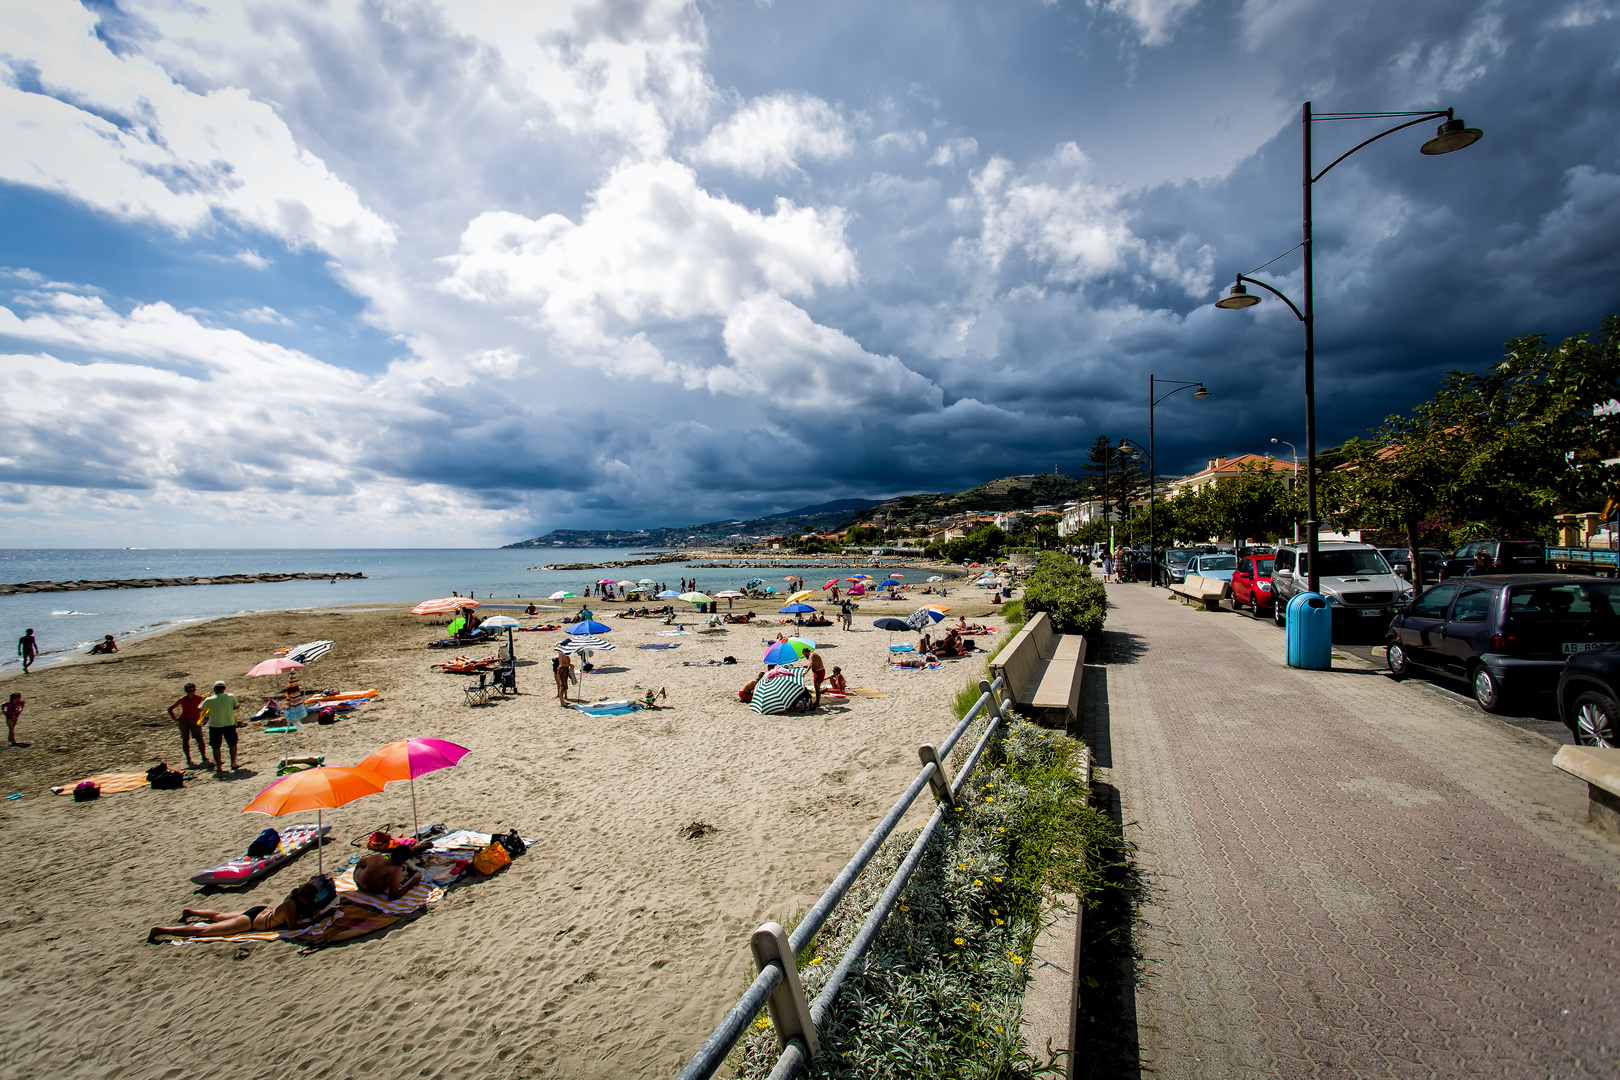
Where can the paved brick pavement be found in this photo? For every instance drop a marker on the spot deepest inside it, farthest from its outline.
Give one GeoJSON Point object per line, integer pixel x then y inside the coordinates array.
{"type": "Point", "coordinates": [1348, 876]}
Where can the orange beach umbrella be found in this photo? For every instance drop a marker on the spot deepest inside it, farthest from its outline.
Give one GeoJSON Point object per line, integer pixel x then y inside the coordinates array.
{"type": "Point", "coordinates": [315, 789]}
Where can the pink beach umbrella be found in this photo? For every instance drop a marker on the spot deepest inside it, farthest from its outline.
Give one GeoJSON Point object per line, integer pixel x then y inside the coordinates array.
{"type": "Point", "coordinates": [408, 759]}
{"type": "Point", "coordinates": [276, 665]}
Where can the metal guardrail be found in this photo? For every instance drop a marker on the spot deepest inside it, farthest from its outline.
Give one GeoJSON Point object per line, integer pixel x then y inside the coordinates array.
{"type": "Point", "coordinates": [777, 953]}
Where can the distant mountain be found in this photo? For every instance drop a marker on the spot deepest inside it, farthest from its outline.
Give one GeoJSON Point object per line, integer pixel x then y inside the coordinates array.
{"type": "Point", "coordinates": [992, 496]}
{"type": "Point", "coordinates": [836, 506]}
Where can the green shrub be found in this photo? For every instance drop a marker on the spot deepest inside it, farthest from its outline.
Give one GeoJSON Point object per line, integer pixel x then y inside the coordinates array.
{"type": "Point", "coordinates": [1075, 601]}
{"type": "Point", "coordinates": [940, 992]}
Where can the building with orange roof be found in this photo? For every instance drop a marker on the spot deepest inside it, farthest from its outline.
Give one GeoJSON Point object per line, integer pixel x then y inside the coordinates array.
{"type": "Point", "coordinates": [1220, 468]}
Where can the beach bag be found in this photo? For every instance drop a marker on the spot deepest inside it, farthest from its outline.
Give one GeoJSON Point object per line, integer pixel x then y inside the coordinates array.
{"type": "Point", "coordinates": [513, 843]}
{"type": "Point", "coordinates": [85, 791]}
{"type": "Point", "coordinates": [164, 778]}
{"type": "Point", "coordinates": [491, 858]}
{"type": "Point", "coordinates": [264, 844]}
{"type": "Point", "coordinates": [326, 716]}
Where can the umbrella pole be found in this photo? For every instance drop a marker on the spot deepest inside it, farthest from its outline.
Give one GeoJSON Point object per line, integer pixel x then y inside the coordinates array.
{"type": "Point", "coordinates": [414, 826]}
{"type": "Point", "coordinates": [320, 844]}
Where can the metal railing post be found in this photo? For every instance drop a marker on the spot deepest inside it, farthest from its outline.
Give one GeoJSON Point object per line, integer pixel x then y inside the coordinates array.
{"type": "Point", "coordinates": [940, 778]}
{"type": "Point", "coordinates": [790, 1011]}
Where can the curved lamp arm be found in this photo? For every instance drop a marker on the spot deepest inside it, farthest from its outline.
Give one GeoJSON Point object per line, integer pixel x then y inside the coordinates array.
{"type": "Point", "coordinates": [1398, 127]}
{"type": "Point", "coordinates": [1274, 292]}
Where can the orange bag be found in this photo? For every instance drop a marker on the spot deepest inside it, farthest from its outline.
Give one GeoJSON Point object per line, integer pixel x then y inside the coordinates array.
{"type": "Point", "coordinates": [491, 859]}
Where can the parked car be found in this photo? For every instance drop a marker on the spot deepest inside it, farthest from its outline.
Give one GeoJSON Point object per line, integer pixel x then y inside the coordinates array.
{"type": "Point", "coordinates": [1173, 565]}
{"type": "Point", "coordinates": [1434, 560]}
{"type": "Point", "coordinates": [1354, 579]}
{"type": "Point", "coordinates": [1504, 633]}
{"type": "Point", "coordinates": [1219, 567]}
{"type": "Point", "coordinates": [1251, 583]}
{"type": "Point", "coordinates": [1507, 557]}
{"type": "Point", "coordinates": [1588, 693]}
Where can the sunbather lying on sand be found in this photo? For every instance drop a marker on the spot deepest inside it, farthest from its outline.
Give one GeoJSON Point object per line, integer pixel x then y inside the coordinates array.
{"type": "Point", "coordinates": [383, 873]}
{"type": "Point", "coordinates": [298, 910]}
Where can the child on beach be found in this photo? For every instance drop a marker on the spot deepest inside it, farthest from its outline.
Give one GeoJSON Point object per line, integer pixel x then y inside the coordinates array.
{"type": "Point", "coordinates": [835, 682]}
{"type": "Point", "coordinates": [13, 708]}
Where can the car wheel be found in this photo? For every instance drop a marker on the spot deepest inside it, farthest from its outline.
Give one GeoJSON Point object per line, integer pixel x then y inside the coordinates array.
{"type": "Point", "coordinates": [1595, 720]}
{"type": "Point", "coordinates": [1487, 689]}
{"type": "Point", "coordinates": [1277, 615]}
{"type": "Point", "coordinates": [1399, 665]}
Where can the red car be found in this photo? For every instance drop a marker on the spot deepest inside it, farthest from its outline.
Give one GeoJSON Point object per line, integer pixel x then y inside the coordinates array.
{"type": "Point", "coordinates": [1251, 583]}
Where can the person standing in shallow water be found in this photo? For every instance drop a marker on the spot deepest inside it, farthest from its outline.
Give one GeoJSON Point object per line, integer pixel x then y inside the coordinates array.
{"type": "Point", "coordinates": [28, 649]}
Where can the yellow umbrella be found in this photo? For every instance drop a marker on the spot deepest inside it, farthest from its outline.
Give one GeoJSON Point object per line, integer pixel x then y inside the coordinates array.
{"type": "Point", "coordinates": [802, 594]}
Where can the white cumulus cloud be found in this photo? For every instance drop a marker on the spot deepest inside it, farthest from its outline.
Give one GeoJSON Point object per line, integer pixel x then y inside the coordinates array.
{"type": "Point", "coordinates": [771, 135]}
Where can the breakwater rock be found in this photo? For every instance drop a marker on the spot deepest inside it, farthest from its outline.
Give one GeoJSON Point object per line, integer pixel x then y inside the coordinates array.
{"type": "Point", "coordinates": [157, 583]}
{"type": "Point", "coordinates": [674, 556]}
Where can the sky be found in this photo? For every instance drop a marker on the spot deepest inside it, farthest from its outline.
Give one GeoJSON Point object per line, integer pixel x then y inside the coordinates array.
{"type": "Point", "coordinates": [403, 273]}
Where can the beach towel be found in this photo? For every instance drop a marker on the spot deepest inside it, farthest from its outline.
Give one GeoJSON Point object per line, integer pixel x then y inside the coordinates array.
{"type": "Point", "coordinates": [661, 645]}
{"type": "Point", "coordinates": [357, 913]}
{"type": "Point", "coordinates": [606, 708]}
{"type": "Point", "coordinates": [110, 783]}
{"type": "Point", "coordinates": [867, 692]}
{"type": "Point", "coordinates": [673, 633]}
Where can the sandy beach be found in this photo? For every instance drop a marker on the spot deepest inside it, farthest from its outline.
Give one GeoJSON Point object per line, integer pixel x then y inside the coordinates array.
{"type": "Point", "coordinates": [609, 950]}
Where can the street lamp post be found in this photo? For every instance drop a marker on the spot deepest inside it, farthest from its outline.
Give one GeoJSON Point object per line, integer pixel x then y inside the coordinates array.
{"type": "Point", "coordinates": [1154, 397]}
{"type": "Point", "coordinates": [1295, 449]}
{"type": "Point", "coordinates": [1452, 134]}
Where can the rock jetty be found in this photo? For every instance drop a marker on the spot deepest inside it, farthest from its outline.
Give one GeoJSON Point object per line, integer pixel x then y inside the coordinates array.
{"type": "Point", "coordinates": [157, 583]}
{"type": "Point", "coordinates": [674, 556]}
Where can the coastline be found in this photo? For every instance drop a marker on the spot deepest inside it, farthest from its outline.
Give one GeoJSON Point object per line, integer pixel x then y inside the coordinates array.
{"type": "Point", "coordinates": [615, 943]}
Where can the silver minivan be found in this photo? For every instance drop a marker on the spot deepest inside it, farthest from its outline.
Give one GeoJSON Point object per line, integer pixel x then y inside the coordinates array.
{"type": "Point", "coordinates": [1354, 579]}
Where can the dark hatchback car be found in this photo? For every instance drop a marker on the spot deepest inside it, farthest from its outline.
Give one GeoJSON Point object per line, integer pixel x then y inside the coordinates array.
{"type": "Point", "coordinates": [1588, 693]}
{"type": "Point", "coordinates": [1504, 633]}
{"type": "Point", "coordinates": [1507, 557]}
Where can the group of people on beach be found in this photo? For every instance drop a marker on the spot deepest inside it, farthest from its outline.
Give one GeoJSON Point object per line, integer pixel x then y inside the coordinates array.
{"type": "Point", "coordinates": [192, 713]}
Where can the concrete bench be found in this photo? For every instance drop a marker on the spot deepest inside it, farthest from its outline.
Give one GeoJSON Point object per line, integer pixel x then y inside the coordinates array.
{"type": "Point", "coordinates": [1600, 768]}
{"type": "Point", "coordinates": [1043, 670]}
{"type": "Point", "coordinates": [1200, 590]}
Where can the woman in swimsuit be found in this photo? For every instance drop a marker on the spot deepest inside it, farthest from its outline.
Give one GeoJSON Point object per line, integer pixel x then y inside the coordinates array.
{"type": "Point", "coordinates": [293, 913]}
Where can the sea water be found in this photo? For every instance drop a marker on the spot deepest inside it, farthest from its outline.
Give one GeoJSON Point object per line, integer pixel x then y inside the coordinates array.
{"type": "Point", "coordinates": [67, 623]}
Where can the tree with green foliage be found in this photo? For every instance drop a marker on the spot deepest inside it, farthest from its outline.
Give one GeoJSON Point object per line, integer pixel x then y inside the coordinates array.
{"type": "Point", "coordinates": [1499, 452]}
{"type": "Point", "coordinates": [1076, 602]}
{"type": "Point", "coordinates": [981, 545]}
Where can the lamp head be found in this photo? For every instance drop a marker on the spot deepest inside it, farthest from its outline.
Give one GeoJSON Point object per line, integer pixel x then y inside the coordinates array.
{"type": "Point", "coordinates": [1273, 440]}
{"type": "Point", "coordinates": [1200, 392]}
{"type": "Point", "coordinates": [1237, 297]}
{"type": "Point", "coordinates": [1451, 135]}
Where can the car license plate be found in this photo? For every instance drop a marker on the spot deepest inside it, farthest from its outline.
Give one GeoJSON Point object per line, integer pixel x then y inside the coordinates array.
{"type": "Point", "coordinates": [1371, 612]}
{"type": "Point", "coordinates": [1586, 646]}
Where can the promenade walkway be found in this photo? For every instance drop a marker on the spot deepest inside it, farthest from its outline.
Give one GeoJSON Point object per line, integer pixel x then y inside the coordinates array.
{"type": "Point", "coordinates": [1347, 876]}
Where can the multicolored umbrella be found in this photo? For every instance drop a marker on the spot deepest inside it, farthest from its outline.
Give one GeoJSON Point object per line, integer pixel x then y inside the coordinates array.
{"type": "Point", "coordinates": [788, 652]}
{"type": "Point", "coordinates": [410, 758]}
{"type": "Point", "coordinates": [317, 789]}
{"type": "Point", "coordinates": [563, 595]}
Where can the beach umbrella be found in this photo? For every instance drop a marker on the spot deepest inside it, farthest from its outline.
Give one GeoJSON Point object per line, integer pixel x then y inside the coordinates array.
{"type": "Point", "coordinates": [444, 606]}
{"type": "Point", "coordinates": [607, 581]}
{"type": "Point", "coordinates": [668, 594]}
{"type": "Point", "coordinates": [790, 577]}
{"type": "Point", "coordinates": [695, 597]}
{"type": "Point", "coordinates": [796, 609]}
{"type": "Point", "coordinates": [274, 666]}
{"type": "Point", "coordinates": [890, 623]}
{"type": "Point", "coordinates": [589, 626]}
{"type": "Point", "coordinates": [410, 758]}
{"type": "Point", "coordinates": [775, 694]}
{"type": "Point", "coordinates": [831, 583]}
{"type": "Point", "coordinates": [936, 577]}
{"type": "Point", "coordinates": [787, 652]}
{"type": "Point", "coordinates": [731, 594]}
{"type": "Point", "coordinates": [857, 590]}
{"type": "Point", "coordinates": [317, 789]}
{"type": "Point", "coordinates": [507, 623]}
{"type": "Point", "coordinates": [625, 584]}
{"type": "Point", "coordinates": [922, 618]}
{"type": "Point", "coordinates": [563, 595]}
{"type": "Point", "coordinates": [802, 594]}
{"type": "Point", "coordinates": [941, 608]}
{"type": "Point", "coordinates": [646, 581]}
{"type": "Point", "coordinates": [309, 651]}
{"type": "Point", "coordinates": [584, 644]}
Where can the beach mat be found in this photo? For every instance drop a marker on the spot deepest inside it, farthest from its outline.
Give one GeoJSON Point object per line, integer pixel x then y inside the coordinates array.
{"type": "Point", "coordinates": [358, 913]}
{"type": "Point", "coordinates": [867, 692]}
{"type": "Point", "coordinates": [110, 783]}
{"type": "Point", "coordinates": [660, 645]}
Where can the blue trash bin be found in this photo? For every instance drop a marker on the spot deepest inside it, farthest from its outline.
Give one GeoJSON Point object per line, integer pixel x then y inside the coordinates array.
{"type": "Point", "coordinates": [1310, 632]}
